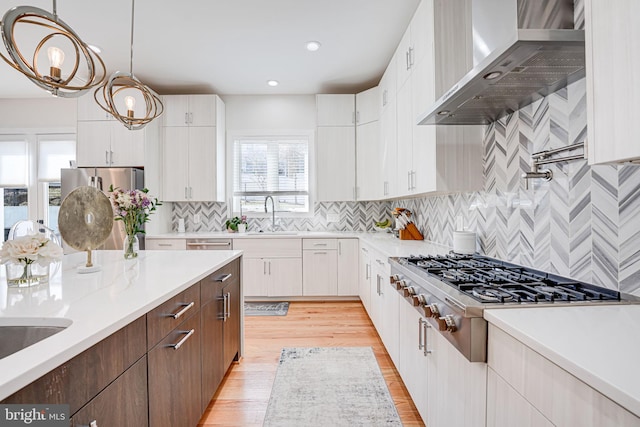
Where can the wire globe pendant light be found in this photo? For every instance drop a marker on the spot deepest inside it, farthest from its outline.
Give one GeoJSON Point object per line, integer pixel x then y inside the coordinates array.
{"type": "Point", "coordinates": [127, 89]}
{"type": "Point", "coordinates": [88, 69]}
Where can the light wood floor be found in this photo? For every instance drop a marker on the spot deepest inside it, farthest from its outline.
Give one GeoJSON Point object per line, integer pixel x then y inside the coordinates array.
{"type": "Point", "coordinates": [244, 394]}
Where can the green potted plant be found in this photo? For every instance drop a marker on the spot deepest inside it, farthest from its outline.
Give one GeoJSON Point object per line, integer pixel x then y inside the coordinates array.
{"type": "Point", "coordinates": [232, 224]}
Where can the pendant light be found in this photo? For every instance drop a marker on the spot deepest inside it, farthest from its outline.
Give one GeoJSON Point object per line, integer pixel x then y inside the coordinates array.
{"type": "Point", "coordinates": [54, 80]}
{"type": "Point", "coordinates": [125, 89]}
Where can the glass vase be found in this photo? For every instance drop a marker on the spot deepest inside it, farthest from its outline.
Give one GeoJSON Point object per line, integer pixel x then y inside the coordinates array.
{"type": "Point", "coordinates": [131, 246]}
{"type": "Point", "coordinates": [21, 275]}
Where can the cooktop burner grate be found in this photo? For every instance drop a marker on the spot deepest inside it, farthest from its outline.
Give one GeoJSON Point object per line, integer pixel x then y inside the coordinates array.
{"type": "Point", "coordinates": [491, 281]}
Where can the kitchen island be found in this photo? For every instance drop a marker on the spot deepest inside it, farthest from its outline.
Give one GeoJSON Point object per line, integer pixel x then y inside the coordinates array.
{"type": "Point", "coordinates": [95, 306]}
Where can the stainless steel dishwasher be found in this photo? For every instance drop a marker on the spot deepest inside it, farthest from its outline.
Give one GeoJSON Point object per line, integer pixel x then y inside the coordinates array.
{"type": "Point", "coordinates": [208, 244]}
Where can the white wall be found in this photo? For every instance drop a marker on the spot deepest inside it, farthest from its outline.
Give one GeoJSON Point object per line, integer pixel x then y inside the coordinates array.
{"type": "Point", "coordinates": [270, 112]}
{"type": "Point", "coordinates": [41, 113]}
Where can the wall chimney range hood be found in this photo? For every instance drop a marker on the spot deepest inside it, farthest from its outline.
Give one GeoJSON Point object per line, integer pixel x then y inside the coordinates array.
{"type": "Point", "coordinates": [523, 50]}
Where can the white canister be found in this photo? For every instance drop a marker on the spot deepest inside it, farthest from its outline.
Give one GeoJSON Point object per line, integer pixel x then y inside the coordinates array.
{"type": "Point", "coordinates": [464, 242]}
{"type": "Point", "coordinates": [181, 225]}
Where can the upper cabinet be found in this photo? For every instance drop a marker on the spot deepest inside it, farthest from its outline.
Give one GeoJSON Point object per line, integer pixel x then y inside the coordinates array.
{"type": "Point", "coordinates": [336, 110]}
{"type": "Point", "coordinates": [335, 148]}
{"type": "Point", "coordinates": [194, 152]}
{"type": "Point", "coordinates": [613, 61]}
{"type": "Point", "coordinates": [190, 110]}
{"type": "Point", "coordinates": [367, 106]}
{"type": "Point", "coordinates": [103, 141]}
{"type": "Point", "coordinates": [368, 159]}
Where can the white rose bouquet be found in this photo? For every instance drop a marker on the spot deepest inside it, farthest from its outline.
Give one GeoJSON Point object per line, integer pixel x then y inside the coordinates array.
{"type": "Point", "coordinates": [29, 249]}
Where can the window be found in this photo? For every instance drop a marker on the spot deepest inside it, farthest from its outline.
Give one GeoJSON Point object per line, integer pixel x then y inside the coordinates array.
{"type": "Point", "coordinates": [276, 166]}
{"type": "Point", "coordinates": [30, 177]}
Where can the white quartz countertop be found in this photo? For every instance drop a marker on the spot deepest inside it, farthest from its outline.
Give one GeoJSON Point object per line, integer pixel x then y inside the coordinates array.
{"type": "Point", "coordinates": [96, 304]}
{"type": "Point", "coordinates": [600, 345]}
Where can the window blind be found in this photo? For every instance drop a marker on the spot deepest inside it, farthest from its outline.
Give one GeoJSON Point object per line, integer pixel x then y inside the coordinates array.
{"type": "Point", "coordinates": [14, 163]}
{"type": "Point", "coordinates": [55, 152]}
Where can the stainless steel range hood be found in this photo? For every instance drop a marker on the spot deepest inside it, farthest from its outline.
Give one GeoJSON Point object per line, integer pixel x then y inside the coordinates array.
{"type": "Point", "coordinates": [523, 50]}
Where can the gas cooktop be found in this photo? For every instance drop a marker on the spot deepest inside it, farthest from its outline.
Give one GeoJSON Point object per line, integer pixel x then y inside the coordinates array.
{"type": "Point", "coordinates": [488, 280]}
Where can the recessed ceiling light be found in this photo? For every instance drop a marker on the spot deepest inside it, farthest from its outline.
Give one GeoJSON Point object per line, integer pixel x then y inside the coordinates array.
{"type": "Point", "coordinates": [272, 82]}
{"type": "Point", "coordinates": [313, 45]}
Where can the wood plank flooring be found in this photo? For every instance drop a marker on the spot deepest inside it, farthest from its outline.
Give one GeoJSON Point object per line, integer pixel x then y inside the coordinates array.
{"type": "Point", "coordinates": [244, 394]}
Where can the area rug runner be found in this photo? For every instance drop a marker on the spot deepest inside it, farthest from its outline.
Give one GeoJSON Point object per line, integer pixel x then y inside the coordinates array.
{"type": "Point", "coordinates": [266, 308]}
{"type": "Point", "coordinates": [330, 386]}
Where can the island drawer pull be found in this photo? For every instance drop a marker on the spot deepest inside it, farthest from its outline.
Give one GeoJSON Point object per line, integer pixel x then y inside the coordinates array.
{"type": "Point", "coordinates": [166, 245]}
{"type": "Point", "coordinates": [185, 308]}
{"type": "Point", "coordinates": [183, 340]}
{"type": "Point", "coordinates": [223, 277]}
{"type": "Point", "coordinates": [209, 244]}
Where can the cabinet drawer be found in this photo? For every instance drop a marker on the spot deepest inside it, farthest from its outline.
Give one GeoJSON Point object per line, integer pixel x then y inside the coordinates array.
{"type": "Point", "coordinates": [164, 318]}
{"type": "Point", "coordinates": [210, 285]}
{"type": "Point", "coordinates": [269, 248]}
{"type": "Point", "coordinates": [320, 244]}
{"type": "Point", "coordinates": [109, 408]}
{"type": "Point", "coordinates": [79, 380]}
{"type": "Point", "coordinates": [165, 244]}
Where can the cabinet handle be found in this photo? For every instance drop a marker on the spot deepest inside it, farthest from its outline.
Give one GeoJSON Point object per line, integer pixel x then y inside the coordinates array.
{"type": "Point", "coordinates": [411, 57]}
{"type": "Point", "coordinates": [319, 244]}
{"type": "Point", "coordinates": [364, 250]}
{"type": "Point", "coordinates": [185, 193]}
{"type": "Point", "coordinates": [378, 284]}
{"type": "Point", "coordinates": [185, 308]}
{"type": "Point", "coordinates": [319, 253]}
{"type": "Point", "coordinates": [183, 340]}
{"type": "Point", "coordinates": [406, 59]}
{"type": "Point", "coordinates": [264, 268]}
{"type": "Point", "coordinates": [224, 307]}
{"type": "Point", "coordinates": [413, 180]}
{"type": "Point", "coordinates": [385, 188]}
{"type": "Point", "coordinates": [339, 248]}
{"type": "Point", "coordinates": [209, 244]}
{"type": "Point", "coordinates": [167, 245]}
{"type": "Point", "coordinates": [223, 277]}
{"type": "Point", "coordinates": [353, 117]}
{"type": "Point", "coordinates": [106, 157]}
{"type": "Point", "coordinates": [420, 330]}
{"type": "Point", "coordinates": [110, 157]}
{"type": "Point", "coordinates": [191, 118]}
{"type": "Point", "coordinates": [186, 118]}
{"type": "Point", "coordinates": [358, 117]}
{"type": "Point", "coordinates": [367, 272]}
{"type": "Point", "coordinates": [409, 180]}
{"type": "Point", "coordinates": [269, 268]}
{"type": "Point", "coordinates": [228, 305]}
{"type": "Point", "coordinates": [425, 325]}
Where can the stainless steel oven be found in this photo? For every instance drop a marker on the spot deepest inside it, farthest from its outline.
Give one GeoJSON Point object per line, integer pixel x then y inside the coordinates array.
{"type": "Point", "coordinates": [209, 244]}
{"type": "Point", "coordinates": [453, 290]}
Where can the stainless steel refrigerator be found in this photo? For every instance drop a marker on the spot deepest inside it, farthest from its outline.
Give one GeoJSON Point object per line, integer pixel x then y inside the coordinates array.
{"type": "Point", "coordinates": [102, 178]}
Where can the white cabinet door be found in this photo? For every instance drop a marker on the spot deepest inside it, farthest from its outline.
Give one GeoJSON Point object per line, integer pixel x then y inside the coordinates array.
{"type": "Point", "coordinates": [202, 164]}
{"type": "Point", "coordinates": [413, 363]}
{"type": "Point", "coordinates": [202, 110]}
{"type": "Point", "coordinates": [127, 146]}
{"type": "Point", "coordinates": [348, 267]}
{"type": "Point", "coordinates": [254, 277]}
{"type": "Point", "coordinates": [364, 288]}
{"type": "Point", "coordinates": [88, 109]}
{"type": "Point", "coordinates": [335, 163]}
{"type": "Point", "coordinates": [367, 106]}
{"type": "Point", "coordinates": [612, 63]}
{"type": "Point", "coordinates": [285, 277]}
{"type": "Point", "coordinates": [176, 110]}
{"type": "Point", "coordinates": [320, 272]}
{"type": "Point", "coordinates": [403, 59]}
{"type": "Point", "coordinates": [389, 150]}
{"type": "Point", "coordinates": [405, 126]}
{"type": "Point", "coordinates": [507, 408]}
{"type": "Point", "coordinates": [369, 179]}
{"type": "Point", "coordinates": [422, 33]}
{"type": "Point", "coordinates": [94, 144]}
{"type": "Point", "coordinates": [335, 110]}
{"type": "Point", "coordinates": [176, 164]}
{"type": "Point", "coordinates": [387, 86]}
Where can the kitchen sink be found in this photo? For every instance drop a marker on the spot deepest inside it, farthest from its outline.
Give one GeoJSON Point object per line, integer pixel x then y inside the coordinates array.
{"type": "Point", "coordinates": [17, 334]}
{"type": "Point", "coordinates": [273, 233]}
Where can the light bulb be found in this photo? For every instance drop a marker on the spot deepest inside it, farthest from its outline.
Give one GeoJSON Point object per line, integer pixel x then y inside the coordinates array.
{"type": "Point", "coordinates": [130, 101]}
{"type": "Point", "coordinates": [56, 58]}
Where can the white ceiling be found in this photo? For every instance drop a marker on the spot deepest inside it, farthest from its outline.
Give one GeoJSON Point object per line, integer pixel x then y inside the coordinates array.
{"type": "Point", "coordinates": [234, 46]}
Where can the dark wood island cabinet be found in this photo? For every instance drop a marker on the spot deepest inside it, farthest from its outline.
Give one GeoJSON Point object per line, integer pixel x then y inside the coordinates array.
{"type": "Point", "coordinates": [160, 370]}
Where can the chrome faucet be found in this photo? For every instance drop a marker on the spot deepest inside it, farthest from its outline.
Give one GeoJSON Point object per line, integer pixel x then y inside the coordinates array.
{"type": "Point", "coordinates": [273, 211]}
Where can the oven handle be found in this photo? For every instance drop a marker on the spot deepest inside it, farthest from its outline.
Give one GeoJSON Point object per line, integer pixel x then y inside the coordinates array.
{"type": "Point", "coordinates": [456, 303]}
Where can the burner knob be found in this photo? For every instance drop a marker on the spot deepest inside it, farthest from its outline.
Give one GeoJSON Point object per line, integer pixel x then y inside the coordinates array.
{"type": "Point", "coordinates": [419, 300]}
{"type": "Point", "coordinates": [394, 278]}
{"type": "Point", "coordinates": [401, 284]}
{"type": "Point", "coordinates": [409, 291]}
{"type": "Point", "coordinates": [431, 310]}
{"type": "Point", "coordinates": [447, 323]}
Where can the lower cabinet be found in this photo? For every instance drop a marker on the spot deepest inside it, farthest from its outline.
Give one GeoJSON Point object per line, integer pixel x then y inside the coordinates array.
{"type": "Point", "coordinates": [364, 279]}
{"type": "Point", "coordinates": [537, 387]}
{"type": "Point", "coordinates": [174, 377]}
{"type": "Point", "coordinates": [347, 274]}
{"type": "Point", "coordinates": [319, 267]}
{"type": "Point", "coordinates": [122, 403]}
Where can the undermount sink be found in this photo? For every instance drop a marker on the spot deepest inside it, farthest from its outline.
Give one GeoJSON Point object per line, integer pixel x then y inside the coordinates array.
{"type": "Point", "coordinates": [19, 333]}
{"type": "Point", "coordinates": [273, 233]}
